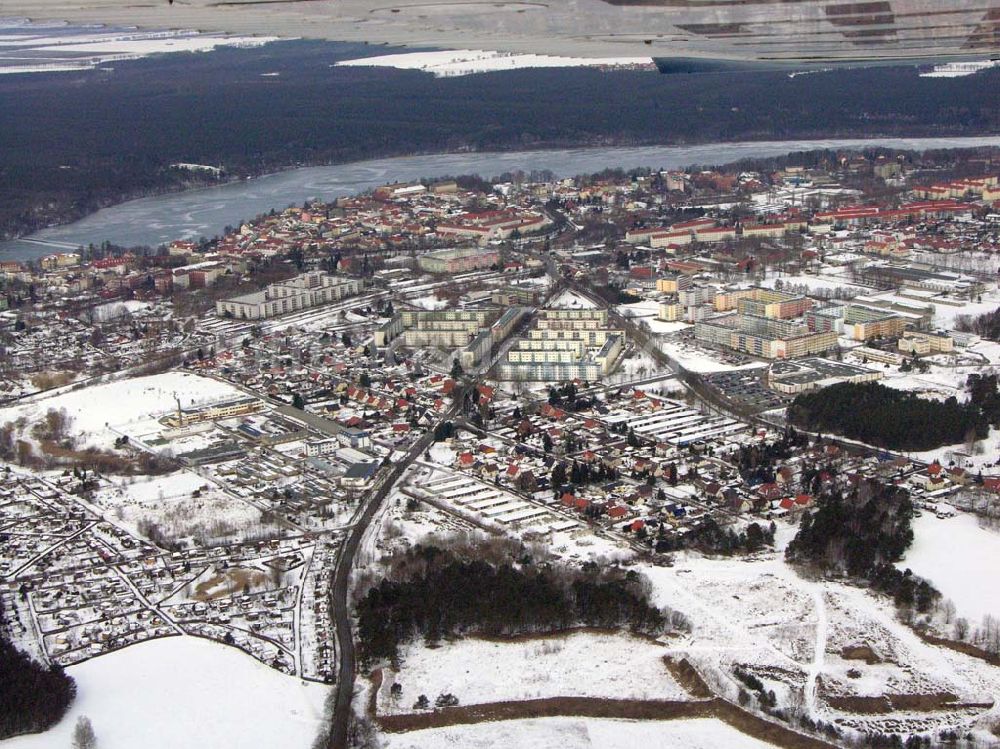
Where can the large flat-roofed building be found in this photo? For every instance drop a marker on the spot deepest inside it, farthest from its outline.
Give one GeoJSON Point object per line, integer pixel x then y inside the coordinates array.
{"type": "Point", "coordinates": [771, 303]}
{"type": "Point", "coordinates": [214, 412]}
{"type": "Point", "coordinates": [865, 323]}
{"type": "Point", "coordinates": [458, 260]}
{"type": "Point", "coordinates": [792, 377]}
{"type": "Point", "coordinates": [768, 338]}
{"type": "Point", "coordinates": [299, 293]}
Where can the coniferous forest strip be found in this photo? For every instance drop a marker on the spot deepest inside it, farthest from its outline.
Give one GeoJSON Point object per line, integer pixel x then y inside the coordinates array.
{"type": "Point", "coordinates": [437, 593]}
{"type": "Point", "coordinates": [890, 418]}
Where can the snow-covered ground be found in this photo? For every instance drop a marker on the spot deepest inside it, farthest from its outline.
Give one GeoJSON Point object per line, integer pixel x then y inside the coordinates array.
{"type": "Point", "coordinates": [449, 63]}
{"type": "Point", "coordinates": [571, 299]}
{"type": "Point", "coordinates": [430, 302]}
{"type": "Point", "coordinates": [100, 414]}
{"type": "Point", "coordinates": [697, 359]}
{"type": "Point", "coordinates": [579, 733]}
{"type": "Point", "coordinates": [582, 664]}
{"type": "Point", "coordinates": [47, 48]}
{"type": "Point", "coordinates": [959, 558]}
{"type": "Point", "coordinates": [789, 630]}
{"type": "Point", "coordinates": [186, 692]}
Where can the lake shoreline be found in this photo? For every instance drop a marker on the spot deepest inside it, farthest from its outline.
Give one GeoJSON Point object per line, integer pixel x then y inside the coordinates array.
{"type": "Point", "coordinates": [329, 180]}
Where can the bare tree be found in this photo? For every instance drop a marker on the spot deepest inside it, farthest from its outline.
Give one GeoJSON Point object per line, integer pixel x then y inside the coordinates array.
{"type": "Point", "coordinates": [83, 734]}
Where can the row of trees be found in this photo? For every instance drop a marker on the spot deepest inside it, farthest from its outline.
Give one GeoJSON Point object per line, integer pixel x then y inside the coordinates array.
{"type": "Point", "coordinates": [887, 417]}
{"type": "Point", "coordinates": [437, 593]}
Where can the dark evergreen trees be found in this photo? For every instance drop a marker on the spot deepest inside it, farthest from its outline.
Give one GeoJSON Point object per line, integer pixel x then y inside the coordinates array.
{"type": "Point", "coordinates": [33, 697]}
{"type": "Point", "coordinates": [442, 594]}
{"type": "Point", "coordinates": [862, 535]}
{"type": "Point", "coordinates": [887, 417]}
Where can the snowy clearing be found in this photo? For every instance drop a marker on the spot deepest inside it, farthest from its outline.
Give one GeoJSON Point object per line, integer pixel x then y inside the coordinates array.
{"type": "Point", "coordinates": [183, 692]}
{"type": "Point", "coordinates": [581, 664]}
{"type": "Point", "coordinates": [100, 414]}
{"type": "Point", "coordinates": [957, 555]}
{"type": "Point", "coordinates": [579, 733]}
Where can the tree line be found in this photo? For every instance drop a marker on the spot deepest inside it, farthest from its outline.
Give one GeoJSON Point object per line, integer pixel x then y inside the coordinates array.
{"type": "Point", "coordinates": [886, 417]}
{"type": "Point", "coordinates": [438, 593]}
{"type": "Point", "coordinates": [74, 142]}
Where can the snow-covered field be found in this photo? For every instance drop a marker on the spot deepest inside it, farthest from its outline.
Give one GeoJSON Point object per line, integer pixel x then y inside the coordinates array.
{"type": "Point", "coordinates": [698, 359]}
{"type": "Point", "coordinates": [788, 631]}
{"type": "Point", "coordinates": [100, 414]}
{"type": "Point", "coordinates": [186, 692]}
{"type": "Point", "coordinates": [579, 733]}
{"type": "Point", "coordinates": [449, 63]}
{"type": "Point", "coordinates": [582, 664]}
{"type": "Point", "coordinates": [958, 557]}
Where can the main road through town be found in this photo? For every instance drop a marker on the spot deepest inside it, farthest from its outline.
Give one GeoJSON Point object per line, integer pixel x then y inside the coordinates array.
{"type": "Point", "coordinates": [347, 662]}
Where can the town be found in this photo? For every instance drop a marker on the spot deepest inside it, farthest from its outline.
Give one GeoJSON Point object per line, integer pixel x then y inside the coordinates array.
{"type": "Point", "coordinates": [222, 438]}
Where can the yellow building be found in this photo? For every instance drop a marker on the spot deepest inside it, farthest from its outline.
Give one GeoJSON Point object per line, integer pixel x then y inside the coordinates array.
{"type": "Point", "coordinates": [920, 344]}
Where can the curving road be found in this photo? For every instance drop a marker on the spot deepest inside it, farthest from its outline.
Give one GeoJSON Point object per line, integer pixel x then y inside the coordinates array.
{"type": "Point", "coordinates": [347, 665]}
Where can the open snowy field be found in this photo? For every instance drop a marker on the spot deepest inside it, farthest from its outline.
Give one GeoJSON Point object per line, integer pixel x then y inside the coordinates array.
{"type": "Point", "coordinates": [186, 692]}
{"type": "Point", "coordinates": [579, 733]}
{"type": "Point", "coordinates": [102, 413]}
{"type": "Point", "coordinates": [958, 557]}
{"type": "Point", "coordinates": [582, 664]}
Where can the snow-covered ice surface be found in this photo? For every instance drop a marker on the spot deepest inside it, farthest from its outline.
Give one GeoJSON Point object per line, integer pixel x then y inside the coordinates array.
{"type": "Point", "coordinates": [581, 664]}
{"type": "Point", "coordinates": [579, 733]}
{"type": "Point", "coordinates": [959, 558]}
{"type": "Point", "coordinates": [183, 693]}
{"type": "Point", "coordinates": [47, 48]}
{"type": "Point", "coordinates": [100, 414]}
{"type": "Point", "coordinates": [449, 63]}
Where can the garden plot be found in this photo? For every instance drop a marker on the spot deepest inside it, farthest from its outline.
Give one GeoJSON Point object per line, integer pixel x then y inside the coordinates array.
{"type": "Point", "coordinates": [580, 664]}
{"type": "Point", "coordinates": [181, 505]}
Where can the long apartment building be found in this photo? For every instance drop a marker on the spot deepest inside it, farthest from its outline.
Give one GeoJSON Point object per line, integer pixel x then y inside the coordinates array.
{"type": "Point", "coordinates": [770, 303]}
{"type": "Point", "coordinates": [435, 327]}
{"type": "Point", "coordinates": [565, 344]}
{"type": "Point", "coordinates": [458, 260]}
{"type": "Point", "coordinates": [768, 338]}
{"type": "Point", "coordinates": [857, 321]}
{"type": "Point", "coordinates": [299, 293]}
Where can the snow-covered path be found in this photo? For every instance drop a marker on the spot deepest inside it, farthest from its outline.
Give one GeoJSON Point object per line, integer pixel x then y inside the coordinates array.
{"type": "Point", "coordinates": [816, 667]}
